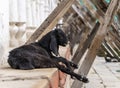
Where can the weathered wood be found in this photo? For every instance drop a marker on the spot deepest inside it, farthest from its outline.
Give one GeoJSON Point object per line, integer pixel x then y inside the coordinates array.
{"type": "Point", "coordinates": [81, 49]}
{"type": "Point", "coordinates": [52, 20]}
{"type": "Point", "coordinates": [91, 54]}
{"type": "Point", "coordinates": [114, 32]}
{"type": "Point", "coordinates": [111, 39]}
{"type": "Point", "coordinates": [111, 50]}
{"type": "Point", "coordinates": [100, 6]}
{"type": "Point", "coordinates": [79, 12]}
{"type": "Point", "coordinates": [96, 13]}
{"type": "Point", "coordinates": [116, 38]}
{"type": "Point", "coordinates": [93, 10]}
{"type": "Point", "coordinates": [106, 50]}
{"type": "Point", "coordinates": [67, 19]}
{"type": "Point", "coordinates": [100, 17]}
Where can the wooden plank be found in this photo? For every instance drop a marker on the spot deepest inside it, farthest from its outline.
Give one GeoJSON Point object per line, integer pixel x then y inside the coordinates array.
{"type": "Point", "coordinates": [114, 32]}
{"type": "Point", "coordinates": [95, 12]}
{"type": "Point", "coordinates": [106, 49]}
{"type": "Point", "coordinates": [117, 48]}
{"type": "Point", "coordinates": [67, 19]}
{"type": "Point", "coordinates": [79, 12]}
{"type": "Point", "coordinates": [113, 24]}
{"type": "Point", "coordinates": [98, 5]}
{"type": "Point", "coordinates": [116, 38]}
{"type": "Point", "coordinates": [91, 54]}
{"type": "Point", "coordinates": [52, 20]}
{"type": "Point", "coordinates": [116, 55]}
{"type": "Point", "coordinates": [89, 15]}
{"type": "Point", "coordinates": [98, 16]}
{"type": "Point", "coordinates": [81, 49]}
{"type": "Point", "coordinates": [111, 50]}
{"type": "Point", "coordinates": [111, 39]}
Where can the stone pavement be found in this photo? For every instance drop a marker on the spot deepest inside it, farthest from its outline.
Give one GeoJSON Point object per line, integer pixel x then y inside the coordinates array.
{"type": "Point", "coordinates": [104, 75]}
{"type": "Point", "coordinates": [37, 78]}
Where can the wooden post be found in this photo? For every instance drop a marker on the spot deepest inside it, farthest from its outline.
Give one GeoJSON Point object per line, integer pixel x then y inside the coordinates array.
{"type": "Point", "coordinates": [91, 54]}
{"type": "Point", "coordinates": [52, 20]}
{"type": "Point", "coordinates": [81, 49]}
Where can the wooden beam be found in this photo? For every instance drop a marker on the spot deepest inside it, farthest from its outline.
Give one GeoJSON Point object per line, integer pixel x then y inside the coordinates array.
{"type": "Point", "coordinates": [79, 12]}
{"type": "Point", "coordinates": [91, 54]}
{"type": "Point", "coordinates": [52, 20]}
{"type": "Point", "coordinates": [97, 4]}
{"type": "Point", "coordinates": [115, 35]}
{"type": "Point", "coordinates": [111, 49]}
{"type": "Point", "coordinates": [116, 38]}
{"type": "Point", "coordinates": [95, 12]}
{"type": "Point", "coordinates": [81, 49]}
{"type": "Point", "coordinates": [106, 50]}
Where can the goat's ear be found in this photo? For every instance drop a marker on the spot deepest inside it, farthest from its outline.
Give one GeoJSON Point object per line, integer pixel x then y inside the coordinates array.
{"type": "Point", "coordinates": [53, 45]}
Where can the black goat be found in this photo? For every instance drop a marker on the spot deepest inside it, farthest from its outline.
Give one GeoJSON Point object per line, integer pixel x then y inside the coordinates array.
{"type": "Point", "coordinates": [40, 55]}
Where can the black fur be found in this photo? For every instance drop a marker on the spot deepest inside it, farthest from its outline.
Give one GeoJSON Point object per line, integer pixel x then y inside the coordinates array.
{"type": "Point", "coordinates": [40, 55]}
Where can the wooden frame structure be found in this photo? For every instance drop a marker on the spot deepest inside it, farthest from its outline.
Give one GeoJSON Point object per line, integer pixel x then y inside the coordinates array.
{"type": "Point", "coordinates": [94, 24]}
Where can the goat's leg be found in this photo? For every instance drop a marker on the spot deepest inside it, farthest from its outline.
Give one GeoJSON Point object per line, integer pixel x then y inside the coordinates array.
{"type": "Point", "coordinates": [67, 71]}
{"type": "Point", "coordinates": [70, 62]}
{"type": "Point", "coordinates": [65, 61]}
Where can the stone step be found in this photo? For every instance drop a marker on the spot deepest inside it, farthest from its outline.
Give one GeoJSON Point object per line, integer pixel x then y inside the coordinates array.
{"type": "Point", "coordinates": [37, 78]}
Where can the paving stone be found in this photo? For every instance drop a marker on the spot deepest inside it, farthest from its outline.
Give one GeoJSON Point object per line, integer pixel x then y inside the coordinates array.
{"type": "Point", "coordinates": [104, 75]}
{"type": "Point", "coordinates": [36, 78]}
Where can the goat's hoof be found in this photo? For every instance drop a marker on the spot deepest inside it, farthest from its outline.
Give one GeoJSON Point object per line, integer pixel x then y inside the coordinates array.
{"type": "Point", "coordinates": [72, 77]}
{"type": "Point", "coordinates": [85, 80]}
{"type": "Point", "coordinates": [82, 78]}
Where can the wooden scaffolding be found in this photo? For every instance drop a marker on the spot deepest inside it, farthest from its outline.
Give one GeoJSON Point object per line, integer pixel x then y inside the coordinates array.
{"type": "Point", "coordinates": [97, 26]}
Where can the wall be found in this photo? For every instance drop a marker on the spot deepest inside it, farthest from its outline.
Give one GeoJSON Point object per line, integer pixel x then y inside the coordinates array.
{"type": "Point", "coordinates": [19, 19]}
{"type": "Point", "coordinates": [4, 29]}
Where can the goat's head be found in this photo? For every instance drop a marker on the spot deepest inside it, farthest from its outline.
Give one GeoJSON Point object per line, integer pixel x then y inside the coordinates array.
{"type": "Point", "coordinates": [61, 37]}
{"type": "Point", "coordinates": [57, 38]}
{"type": "Point", "coordinates": [52, 40]}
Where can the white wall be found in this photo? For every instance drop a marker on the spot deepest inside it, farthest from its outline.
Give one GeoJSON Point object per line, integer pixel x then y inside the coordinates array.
{"type": "Point", "coordinates": [4, 29]}
{"type": "Point", "coordinates": [17, 17]}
